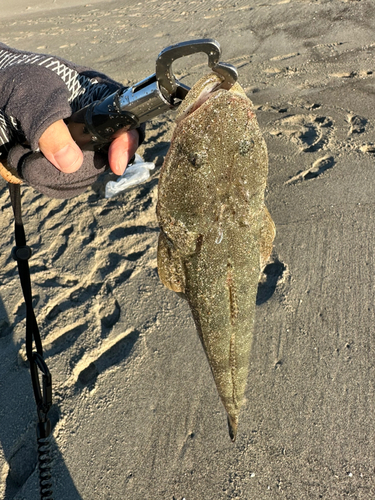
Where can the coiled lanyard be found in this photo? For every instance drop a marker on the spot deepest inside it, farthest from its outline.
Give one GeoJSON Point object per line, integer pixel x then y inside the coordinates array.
{"type": "Point", "coordinates": [42, 393]}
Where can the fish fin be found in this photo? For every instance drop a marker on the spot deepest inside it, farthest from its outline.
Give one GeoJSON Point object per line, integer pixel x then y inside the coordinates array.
{"type": "Point", "coordinates": [170, 267]}
{"type": "Point", "coordinates": [267, 235]}
{"type": "Point", "coordinates": [232, 427]}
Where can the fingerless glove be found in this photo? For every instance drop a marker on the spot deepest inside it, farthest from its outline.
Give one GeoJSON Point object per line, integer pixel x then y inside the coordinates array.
{"type": "Point", "coordinates": [35, 91]}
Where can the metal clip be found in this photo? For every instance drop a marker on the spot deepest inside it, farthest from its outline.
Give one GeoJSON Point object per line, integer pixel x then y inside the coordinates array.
{"type": "Point", "coordinates": [209, 46]}
{"type": "Point", "coordinates": [160, 92]}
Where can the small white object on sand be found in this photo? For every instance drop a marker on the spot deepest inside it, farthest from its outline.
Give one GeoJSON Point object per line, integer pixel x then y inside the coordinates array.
{"type": "Point", "coordinates": [136, 173]}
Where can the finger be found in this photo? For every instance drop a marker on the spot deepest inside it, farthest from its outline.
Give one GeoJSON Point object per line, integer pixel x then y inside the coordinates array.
{"type": "Point", "coordinates": [58, 147]}
{"type": "Point", "coordinates": [121, 151]}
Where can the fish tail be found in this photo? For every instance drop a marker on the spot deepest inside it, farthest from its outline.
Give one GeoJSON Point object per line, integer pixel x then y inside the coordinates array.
{"type": "Point", "coordinates": [232, 427]}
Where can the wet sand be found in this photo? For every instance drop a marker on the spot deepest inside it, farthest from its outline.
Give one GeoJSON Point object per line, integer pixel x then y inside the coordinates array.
{"type": "Point", "coordinates": [136, 412]}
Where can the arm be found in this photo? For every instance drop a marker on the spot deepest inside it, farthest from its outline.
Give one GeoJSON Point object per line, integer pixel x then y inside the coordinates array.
{"type": "Point", "coordinates": [37, 92]}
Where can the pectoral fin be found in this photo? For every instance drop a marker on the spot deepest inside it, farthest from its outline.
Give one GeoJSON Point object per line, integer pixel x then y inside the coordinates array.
{"type": "Point", "coordinates": [170, 265]}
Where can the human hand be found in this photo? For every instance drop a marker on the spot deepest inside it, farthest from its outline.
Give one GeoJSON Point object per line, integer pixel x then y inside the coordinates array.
{"type": "Point", "coordinates": [37, 93]}
{"type": "Point", "coordinates": [59, 148]}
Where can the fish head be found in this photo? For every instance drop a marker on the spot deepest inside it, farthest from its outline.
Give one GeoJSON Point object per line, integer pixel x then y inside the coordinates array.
{"type": "Point", "coordinates": [216, 167]}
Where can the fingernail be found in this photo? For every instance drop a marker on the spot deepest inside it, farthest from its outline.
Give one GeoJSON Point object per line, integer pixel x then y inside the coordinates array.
{"type": "Point", "coordinates": [68, 159]}
{"type": "Point", "coordinates": [121, 164]}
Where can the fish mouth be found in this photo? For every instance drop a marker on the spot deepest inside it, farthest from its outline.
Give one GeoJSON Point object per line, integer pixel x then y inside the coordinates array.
{"type": "Point", "coordinates": [205, 94]}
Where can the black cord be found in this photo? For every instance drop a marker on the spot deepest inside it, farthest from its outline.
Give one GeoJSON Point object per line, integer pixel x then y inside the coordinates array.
{"type": "Point", "coordinates": [43, 395]}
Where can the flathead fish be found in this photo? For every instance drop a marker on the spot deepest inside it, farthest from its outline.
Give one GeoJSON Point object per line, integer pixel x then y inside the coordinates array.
{"type": "Point", "coordinates": [216, 232]}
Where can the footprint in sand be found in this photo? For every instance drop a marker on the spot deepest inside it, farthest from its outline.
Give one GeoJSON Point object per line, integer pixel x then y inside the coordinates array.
{"type": "Point", "coordinates": [357, 124]}
{"type": "Point", "coordinates": [309, 132]}
{"type": "Point", "coordinates": [317, 168]}
{"type": "Point", "coordinates": [110, 353]}
{"type": "Point", "coordinates": [368, 148]}
{"type": "Point", "coordinates": [94, 303]}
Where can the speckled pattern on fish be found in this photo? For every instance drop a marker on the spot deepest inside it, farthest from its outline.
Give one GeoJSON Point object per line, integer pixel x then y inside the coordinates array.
{"type": "Point", "coordinates": [215, 229]}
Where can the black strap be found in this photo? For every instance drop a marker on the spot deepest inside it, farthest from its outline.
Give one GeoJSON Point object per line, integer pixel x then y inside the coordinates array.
{"type": "Point", "coordinates": [43, 395]}
{"type": "Point", "coordinates": [21, 253]}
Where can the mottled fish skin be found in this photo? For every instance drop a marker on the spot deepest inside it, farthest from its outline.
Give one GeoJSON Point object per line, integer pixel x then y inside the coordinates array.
{"type": "Point", "coordinates": [216, 232]}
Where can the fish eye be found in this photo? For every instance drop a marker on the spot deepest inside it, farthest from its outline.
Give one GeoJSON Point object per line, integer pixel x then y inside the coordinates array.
{"type": "Point", "coordinates": [245, 146]}
{"type": "Point", "coordinates": [196, 159]}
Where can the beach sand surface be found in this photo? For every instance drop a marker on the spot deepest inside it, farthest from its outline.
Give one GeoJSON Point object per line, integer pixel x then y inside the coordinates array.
{"type": "Point", "coordinates": [136, 414]}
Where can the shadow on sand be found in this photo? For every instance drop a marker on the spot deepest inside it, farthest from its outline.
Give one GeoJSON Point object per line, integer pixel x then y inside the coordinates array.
{"type": "Point", "coordinates": [18, 418]}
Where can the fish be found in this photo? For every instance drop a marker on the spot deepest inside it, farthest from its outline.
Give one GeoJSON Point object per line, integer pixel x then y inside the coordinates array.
{"type": "Point", "coordinates": [216, 233]}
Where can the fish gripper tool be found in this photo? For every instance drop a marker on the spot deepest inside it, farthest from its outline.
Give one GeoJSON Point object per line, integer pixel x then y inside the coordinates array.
{"type": "Point", "coordinates": [94, 126]}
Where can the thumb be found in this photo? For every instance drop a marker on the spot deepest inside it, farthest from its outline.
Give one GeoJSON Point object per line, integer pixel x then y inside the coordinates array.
{"type": "Point", "coordinates": [58, 147]}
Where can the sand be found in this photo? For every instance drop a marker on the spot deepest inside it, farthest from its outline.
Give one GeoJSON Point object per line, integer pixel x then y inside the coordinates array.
{"type": "Point", "coordinates": [136, 414]}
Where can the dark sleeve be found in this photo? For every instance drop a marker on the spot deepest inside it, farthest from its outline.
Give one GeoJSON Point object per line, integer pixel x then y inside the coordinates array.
{"type": "Point", "coordinates": [38, 89]}
{"type": "Point", "coordinates": [44, 100]}
{"type": "Point", "coordinates": [39, 173]}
